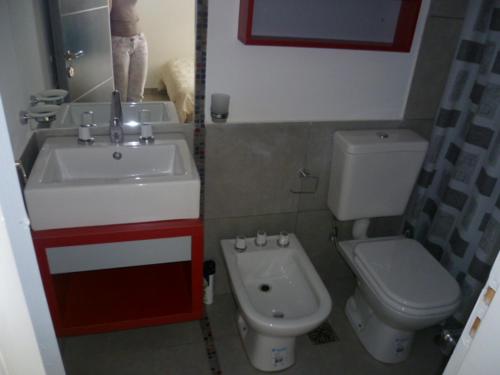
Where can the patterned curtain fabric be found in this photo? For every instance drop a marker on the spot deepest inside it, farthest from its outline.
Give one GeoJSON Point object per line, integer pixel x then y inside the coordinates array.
{"type": "Point", "coordinates": [455, 207]}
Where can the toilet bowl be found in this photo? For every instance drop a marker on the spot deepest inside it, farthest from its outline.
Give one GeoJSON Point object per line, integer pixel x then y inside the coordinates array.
{"type": "Point", "coordinates": [279, 296]}
{"type": "Point", "coordinates": [401, 289]}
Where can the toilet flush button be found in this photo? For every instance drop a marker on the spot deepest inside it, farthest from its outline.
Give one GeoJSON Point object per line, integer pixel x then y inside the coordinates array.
{"type": "Point", "coordinates": [283, 239]}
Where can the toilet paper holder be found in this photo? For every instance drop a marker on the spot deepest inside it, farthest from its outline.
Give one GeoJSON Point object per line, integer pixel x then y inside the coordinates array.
{"type": "Point", "coordinates": [308, 184]}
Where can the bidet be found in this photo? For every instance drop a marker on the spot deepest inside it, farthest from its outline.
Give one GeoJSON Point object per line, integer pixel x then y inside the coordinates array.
{"type": "Point", "coordinates": [279, 296]}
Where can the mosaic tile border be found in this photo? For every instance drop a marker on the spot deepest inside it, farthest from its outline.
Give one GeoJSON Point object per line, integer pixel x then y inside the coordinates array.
{"type": "Point", "coordinates": [199, 108]}
{"type": "Point", "coordinates": [208, 338]}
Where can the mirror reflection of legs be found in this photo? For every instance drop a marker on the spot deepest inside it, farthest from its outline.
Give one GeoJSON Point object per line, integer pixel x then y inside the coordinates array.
{"type": "Point", "coordinates": [130, 66]}
{"type": "Point", "coordinates": [153, 52]}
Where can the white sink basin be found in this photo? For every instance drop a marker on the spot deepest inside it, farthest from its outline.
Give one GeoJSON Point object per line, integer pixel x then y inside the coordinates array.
{"type": "Point", "coordinates": [70, 114]}
{"type": "Point", "coordinates": [73, 185]}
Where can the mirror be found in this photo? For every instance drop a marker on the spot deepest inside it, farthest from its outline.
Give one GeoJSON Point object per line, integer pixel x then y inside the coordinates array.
{"type": "Point", "coordinates": [143, 48]}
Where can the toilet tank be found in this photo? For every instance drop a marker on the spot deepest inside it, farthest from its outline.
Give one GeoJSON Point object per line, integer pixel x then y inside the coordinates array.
{"type": "Point", "coordinates": [373, 172]}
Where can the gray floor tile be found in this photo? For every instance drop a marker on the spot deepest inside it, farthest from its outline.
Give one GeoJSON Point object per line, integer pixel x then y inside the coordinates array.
{"type": "Point", "coordinates": [340, 288]}
{"type": "Point", "coordinates": [160, 336]}
{"type": "Point", "coordinates": [232, 357]}
{"type": "Point", "coordinates": [179, 348]}
{"type": "Point", "coordinates": [169, 349]}
{"type": "Point", "coordinates": [222, 315]}
{"type": "Point", "coordinates": [310, 359]}
{"type": "Point", "coordinates": [189, 359]}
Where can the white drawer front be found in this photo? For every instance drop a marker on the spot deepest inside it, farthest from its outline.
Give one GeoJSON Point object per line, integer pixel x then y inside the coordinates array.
{"type": "Point", "coordinates": [118, 254]}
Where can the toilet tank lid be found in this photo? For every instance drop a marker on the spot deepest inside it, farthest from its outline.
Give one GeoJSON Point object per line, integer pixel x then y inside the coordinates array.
{"type": "Point", "coordinates": [386, 140]}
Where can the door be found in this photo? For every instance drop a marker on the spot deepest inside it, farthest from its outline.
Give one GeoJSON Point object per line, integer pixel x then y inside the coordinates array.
{"type": "Point", "coordinates": [477, 350]}
{"type": "Point", "coordinates": [27, 341]}
{"type": "Point", "coordinates": [82, 48]}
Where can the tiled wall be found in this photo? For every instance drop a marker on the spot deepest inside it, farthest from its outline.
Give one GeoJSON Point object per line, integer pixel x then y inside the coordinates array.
{"type": "Point", "coordinates": [436, 53]}
{"type": "Point", "coordinates": [250, 168]}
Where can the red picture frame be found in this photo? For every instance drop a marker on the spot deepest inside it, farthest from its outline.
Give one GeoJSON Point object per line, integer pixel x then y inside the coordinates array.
{"type": "Point", "coordinates": [403, 38]}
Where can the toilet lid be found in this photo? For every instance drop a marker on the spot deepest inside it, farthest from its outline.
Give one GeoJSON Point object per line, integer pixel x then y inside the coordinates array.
{"type": "Point", "coordinates": [405, 272]}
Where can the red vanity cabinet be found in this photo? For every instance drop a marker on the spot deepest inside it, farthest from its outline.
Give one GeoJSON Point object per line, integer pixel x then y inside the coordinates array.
{"type": "Point", "coordinates": [108, 299]}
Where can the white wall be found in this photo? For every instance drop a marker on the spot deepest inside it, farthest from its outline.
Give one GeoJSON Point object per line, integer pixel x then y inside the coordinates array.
{"type": "Point", "coordinates": [25, 62]}
{"type": "Point", "coordinates": [303, 84]}
{"type": "Point", "coordinates": [169, 26]}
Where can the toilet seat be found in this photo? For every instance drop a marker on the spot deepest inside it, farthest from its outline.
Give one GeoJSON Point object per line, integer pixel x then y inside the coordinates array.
{"type": "Point", "coordinates": [406, 277]}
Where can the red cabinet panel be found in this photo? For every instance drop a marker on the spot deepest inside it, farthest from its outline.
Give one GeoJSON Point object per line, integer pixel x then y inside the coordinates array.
{"type": "Point", "coordinates": [121, 298]}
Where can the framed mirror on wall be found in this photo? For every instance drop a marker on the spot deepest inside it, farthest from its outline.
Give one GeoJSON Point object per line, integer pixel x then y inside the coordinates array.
{"type": "Point", "coordinates": [145, 49]}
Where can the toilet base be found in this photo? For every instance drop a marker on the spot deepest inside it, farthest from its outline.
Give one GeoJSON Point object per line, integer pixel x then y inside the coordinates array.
{"type": "Point", "coordinates": [266, 353]}
{"type": "Point", "coordinates": [385, 343]}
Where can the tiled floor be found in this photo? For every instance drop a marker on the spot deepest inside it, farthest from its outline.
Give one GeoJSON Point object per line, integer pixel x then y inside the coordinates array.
{"type": "Point", "coordinates": [180, 349]}
{"type": "Point", "coordinates": [166, 350]}
{"type": "Point", "coordinates": [343, 357]}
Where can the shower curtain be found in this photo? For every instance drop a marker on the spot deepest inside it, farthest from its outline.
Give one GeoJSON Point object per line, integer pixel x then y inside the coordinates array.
{"type": "Point", "coordinates": [455, 207]}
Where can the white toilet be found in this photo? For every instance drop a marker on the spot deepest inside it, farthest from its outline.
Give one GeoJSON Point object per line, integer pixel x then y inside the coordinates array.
{"type": "Point", "coordinates": [279, 296]}
{"type": "Point", "coordinates": [401, 288]}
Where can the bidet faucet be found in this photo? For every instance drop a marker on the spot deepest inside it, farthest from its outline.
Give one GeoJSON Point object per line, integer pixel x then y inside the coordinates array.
{"type": "Point", "coordinates": [116, 119]}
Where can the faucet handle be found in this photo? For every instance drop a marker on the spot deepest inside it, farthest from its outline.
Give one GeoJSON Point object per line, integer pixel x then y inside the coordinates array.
{"type": "Point", "coordinates": [84, 135]}
{"type": "Point", "coordinates": [146, 134]}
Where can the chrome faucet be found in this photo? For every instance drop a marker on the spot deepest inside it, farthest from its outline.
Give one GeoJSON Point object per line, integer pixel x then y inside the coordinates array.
{"type": "Point", "coordinates": [116, 119]}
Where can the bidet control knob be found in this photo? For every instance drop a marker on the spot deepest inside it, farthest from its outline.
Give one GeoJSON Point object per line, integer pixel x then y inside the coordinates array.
{"type": "Point", "coordinates": [241, 243]}
{"type": "Point", "coordinates": [261, 238]}
{"type": "Point", "coordinates": [283, 239]}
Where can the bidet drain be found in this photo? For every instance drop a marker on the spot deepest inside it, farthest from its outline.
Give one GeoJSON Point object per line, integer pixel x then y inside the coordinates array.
{"type": "Point", "coordinates": [265, 288]}
{"type": "Point", "coordinates": [278, 314]}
